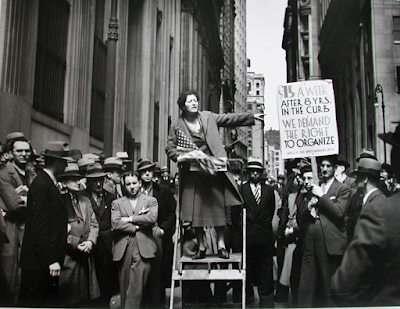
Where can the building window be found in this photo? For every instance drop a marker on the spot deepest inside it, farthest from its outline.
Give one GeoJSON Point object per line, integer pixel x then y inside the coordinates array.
{"type": "Point", "coordinates": [396, 29]}
{"type": "Point", "coordinates": [51, 53]}
{"type": "Point", "coordinates": [257, 92]}
{"type": "Point", "coordinates": [398, 78]}
{"type": "Point", "coordinates": [99, 77]}
{"type": "Point", "coordinates": [258, 85]}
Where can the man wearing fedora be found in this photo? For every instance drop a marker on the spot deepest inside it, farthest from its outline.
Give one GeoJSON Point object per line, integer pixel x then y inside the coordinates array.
{"type": "Point", "coordinates": [45, 239]}
{"type": "Point", "coordinates": [325, 236]}
{"type": "Point", "coordinates": [259, 200]}
{"type": "Point", "coordinates": [340, 174]}
{"type": "Point", "coordinates": [101, 200]}
{"type": "Point", "coordinates": [114, 169]}
{"type": "Point", "coordinates": [78, 281]}
{"type": "Point", "coordinates": [14, 186]}
{"type": "Point", "coordinates": [368, 187]}
{"type": "Point", "coordinates": [161, 271]}
{"type": "Point", "coordinates": [370, 271]}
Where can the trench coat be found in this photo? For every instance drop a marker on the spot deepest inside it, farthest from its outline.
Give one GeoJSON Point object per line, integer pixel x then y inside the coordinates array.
{"type": "Point", "coordinates": [78, 280]}
{"type": "Point", "coordinates": [211, 122]}
{"type": "Point", "coordinates": [14, 216]}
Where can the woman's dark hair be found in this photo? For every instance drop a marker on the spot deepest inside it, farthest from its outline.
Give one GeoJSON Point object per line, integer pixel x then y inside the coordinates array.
{"type": "Point", "coordinates": [182, 97]}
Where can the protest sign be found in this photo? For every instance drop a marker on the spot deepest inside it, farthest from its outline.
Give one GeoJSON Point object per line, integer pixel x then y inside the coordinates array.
{"type": "Point", "coordinates": [307, 119]}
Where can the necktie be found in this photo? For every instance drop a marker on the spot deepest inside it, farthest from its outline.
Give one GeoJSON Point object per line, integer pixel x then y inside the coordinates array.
{"type": "Point", "coordinates": [257, 194]}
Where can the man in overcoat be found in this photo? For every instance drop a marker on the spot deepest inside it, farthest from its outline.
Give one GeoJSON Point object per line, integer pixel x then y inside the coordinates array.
{"type": "Point", "coordinates": [370, 271]}
{"type": "Point", "coordinates": [45, 239]}
{"type": "Point", "coordinates": [14, 186]}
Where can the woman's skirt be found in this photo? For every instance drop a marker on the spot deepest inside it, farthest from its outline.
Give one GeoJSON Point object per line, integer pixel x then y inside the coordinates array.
{"type": "Point", "coordinates": [203, 200]}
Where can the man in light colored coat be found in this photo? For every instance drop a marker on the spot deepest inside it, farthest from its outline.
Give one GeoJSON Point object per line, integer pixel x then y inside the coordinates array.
{"type": "Point", "coordinates": [132, 218]}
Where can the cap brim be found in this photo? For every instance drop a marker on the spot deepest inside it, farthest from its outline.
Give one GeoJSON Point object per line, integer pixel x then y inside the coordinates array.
{"type": "Point", "coordinates": [65, 176]}
{"type": "Point", "coordinates": [68, 159]}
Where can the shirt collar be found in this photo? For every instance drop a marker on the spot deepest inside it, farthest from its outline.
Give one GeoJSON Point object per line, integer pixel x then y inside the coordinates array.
{"type": "Point", "coordinates": [366, 196]}
{"type": "Point", "coordinates": [51, 175]}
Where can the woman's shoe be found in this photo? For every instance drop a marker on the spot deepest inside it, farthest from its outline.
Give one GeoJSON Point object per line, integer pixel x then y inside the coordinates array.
{"type": "Point", "coordinates": [201, 254]}
{"type": "Point", "coordinates": [223, 253]}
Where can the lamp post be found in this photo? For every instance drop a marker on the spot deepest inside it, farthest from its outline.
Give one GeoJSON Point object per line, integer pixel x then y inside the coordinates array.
{"type": "Point", "coordinates": [379, 89]}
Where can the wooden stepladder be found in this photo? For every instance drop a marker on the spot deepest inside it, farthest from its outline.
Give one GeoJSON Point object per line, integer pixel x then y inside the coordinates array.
{"type": "Point", "coordinates": [232, 269]}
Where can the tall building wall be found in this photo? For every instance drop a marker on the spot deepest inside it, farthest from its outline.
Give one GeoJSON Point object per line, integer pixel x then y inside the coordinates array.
{"type": "Point", "coordinates": [162, 47]}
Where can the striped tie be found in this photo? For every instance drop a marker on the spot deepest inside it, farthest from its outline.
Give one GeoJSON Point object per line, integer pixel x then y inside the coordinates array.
{"type": "Point", "coordinates": [257, 194]}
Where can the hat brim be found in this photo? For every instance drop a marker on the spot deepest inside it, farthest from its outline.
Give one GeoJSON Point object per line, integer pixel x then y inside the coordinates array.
{"type": "Point", "coordinates": [254, 167]}
{"type": "Point", "coordinates": [68, 159]}
{"type": "Point", "coordinates": [365, 172]}
{"type": "Point", "coordinates": [96, 175]}
{"type": "Point", "coordinates": [389, 138]}
{"type": "Point", "coordinates": [70, 175]}
{"type": "Point", "coordinates": [344, 163]}
{"type": "Point", "coordinates": [145, 167]}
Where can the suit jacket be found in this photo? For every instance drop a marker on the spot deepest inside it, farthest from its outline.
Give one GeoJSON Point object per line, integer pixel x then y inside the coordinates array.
{"type": "Point", "coordinates": [166, 209]}
{"type": "Point", "coordinates": [370, 270]}
{"type": "Point", "coordinates": [211, 122]}
{"type": "Point", "coordinates": [103, 217]}
{"type": "Point", "coordinates": [45, 238]}
{"type": "Point", "coordinates": [258, 216]}
{"type": "Point", "coordinates": [332, 208]}
{"type": "Point", "coordinates": [351, 182]}
{"type": "Point", "coordinates": [125, 230]}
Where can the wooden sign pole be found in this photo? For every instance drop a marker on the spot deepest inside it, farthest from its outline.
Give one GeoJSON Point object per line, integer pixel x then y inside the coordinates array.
{"type": "Point", "coordinates": [314, 167]}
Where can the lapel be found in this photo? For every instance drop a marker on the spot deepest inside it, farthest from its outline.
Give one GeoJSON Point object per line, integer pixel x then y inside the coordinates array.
{"type": "Point", "coordinates": [54, 190]}
{"type": "Point", "coordinates": [252, 204]}
{"type": "Point", "coordinates": [140, 203]}
{"type": "Point", "coordinates": [78, 207]}
{"type": "Point", "coordinates": [372, 196]}
{"type": "Point", "coordinates": [127, 206]}
{"type": "Point", "coordinates": [333, 188]}
{"type": "Point", "coordinates": [204, 120]}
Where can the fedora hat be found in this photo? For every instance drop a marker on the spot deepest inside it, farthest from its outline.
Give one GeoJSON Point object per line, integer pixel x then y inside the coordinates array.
{"type": "Point", "coordinates": [71, 171]}
{"type": "Point", "coordinates": [123, 155]}
{"type": "Point", "coordinates": [392, 138]}
{"type": "Point", "coordinates": [157, 169]}
{"type": "Point", "coordinates": [366, 153]}
{"type": "Point", "coordinates": [144, 164]}
{"type": "Point", "coordinates": [57, 150]}
{"type": "Point", "coordinates": [342, 161]}
{"type": "Point", "coordinates": [84, 162]}
{"type": "Point", "coordinates": [113, 163]}
{"type": "Point", "coordinates": [164, 169]}
{"type": "Point", "coordinates": [95, 170]}
{"type": "Point", "coordinates": [331, 158]}
{"type": "Point", "coordinates": [254, 163]}
{"type": "Point", "coordinates": [93, 156]}
{"type": "Point", "coordinates": [303, 162]}
{"type": "Point", "coordinates": [368, 166]}
{"type": "Point", "coordinates": [75, 154]}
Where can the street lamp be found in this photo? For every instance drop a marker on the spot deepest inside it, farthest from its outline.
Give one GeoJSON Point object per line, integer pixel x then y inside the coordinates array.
{"type": "Point", "coordinates": [379, 89]}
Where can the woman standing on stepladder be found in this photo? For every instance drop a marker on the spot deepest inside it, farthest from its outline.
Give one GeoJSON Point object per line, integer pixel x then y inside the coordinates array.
{"type": "Point", "coordinates": [207, 184]}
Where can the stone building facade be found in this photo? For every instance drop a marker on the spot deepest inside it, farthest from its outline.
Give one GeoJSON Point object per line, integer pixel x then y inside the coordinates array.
{"type": "Point", "coordinates": [354, 44]}
{"type": "Point", "coordinates": [55, 69]}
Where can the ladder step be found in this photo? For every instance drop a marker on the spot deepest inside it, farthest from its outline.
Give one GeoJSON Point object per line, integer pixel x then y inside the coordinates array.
{"type": "Point", "coordinates": [210, 259]}
{"type": "Point", "coordinates": [213, 274]}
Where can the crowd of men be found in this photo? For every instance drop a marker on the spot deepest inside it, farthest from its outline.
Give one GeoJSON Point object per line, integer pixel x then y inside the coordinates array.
{"type": "Point", "coordinates": [337, 240]}
{"type": "Point", "coordinates": [79, 230]}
